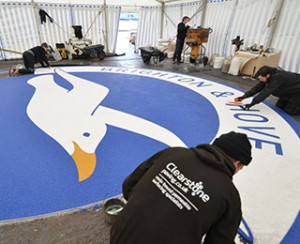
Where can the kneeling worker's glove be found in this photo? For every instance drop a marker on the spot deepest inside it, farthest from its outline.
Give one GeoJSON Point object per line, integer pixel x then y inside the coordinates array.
{"type": "Point", "coordinates": [247, 106]}
{"type": "Point", "coordinates": [239, 99]}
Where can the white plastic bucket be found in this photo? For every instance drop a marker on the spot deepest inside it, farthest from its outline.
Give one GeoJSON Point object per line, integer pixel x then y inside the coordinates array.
{"type": "Point", "coordinates": [235, 66]}
{"type": "Point", "coordinates": [218, 62]}
{"type": "Point", "coordinates": [226, 65]}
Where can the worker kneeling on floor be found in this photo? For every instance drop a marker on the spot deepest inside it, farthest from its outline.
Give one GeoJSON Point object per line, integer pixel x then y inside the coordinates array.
{"type": "Point", "coordinates": [184, 195]}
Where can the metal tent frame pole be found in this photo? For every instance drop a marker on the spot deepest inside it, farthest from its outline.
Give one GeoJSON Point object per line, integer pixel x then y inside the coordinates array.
{"type": "Point", "coordinates": [162, 19]}
{"type": "Point", "coordinates": [94, 21]}
{"type": "Point", "coordinates": [105, 26]}
{"type": "Point", "coordinates": [272, 24]}
{"type": "Point", "coordinates": [33, 4]}
{"type": "Point", "coordinates": [204, 5]}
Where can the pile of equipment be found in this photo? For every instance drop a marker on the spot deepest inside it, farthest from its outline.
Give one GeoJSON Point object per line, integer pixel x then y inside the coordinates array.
{"type": "Point", "coordinates": [80, 47]}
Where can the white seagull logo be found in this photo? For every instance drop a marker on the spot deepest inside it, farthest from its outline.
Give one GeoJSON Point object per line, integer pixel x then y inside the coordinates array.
{"type": "Point", "coordinates": [77, 121]}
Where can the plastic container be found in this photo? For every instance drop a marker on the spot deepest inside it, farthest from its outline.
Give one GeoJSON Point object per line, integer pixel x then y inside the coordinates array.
{"type": "Point", "coordinates": [235, 66]}
{"type": "Point", "coordinates": [218, 62]}
{"type": "Point", "coordinates": [212, 58]}
{"type": "Point", "coordinates": [111, 209]}
{"type": "Point", "coordinates": [226, 65]}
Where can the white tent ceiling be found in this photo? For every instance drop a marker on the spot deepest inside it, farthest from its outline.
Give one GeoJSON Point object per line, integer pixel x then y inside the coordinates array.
{"type": "Point", "coordinates": [110, 2]}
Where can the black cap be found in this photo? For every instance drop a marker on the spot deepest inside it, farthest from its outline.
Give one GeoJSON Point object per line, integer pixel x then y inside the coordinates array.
{"type": "Point", "coordinates": [235, 145]}
{"type": "Point", "coordinates": [44, 44]}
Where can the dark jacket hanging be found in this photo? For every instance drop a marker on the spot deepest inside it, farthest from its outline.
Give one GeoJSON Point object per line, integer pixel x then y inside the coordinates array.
{"type": "Point", "coordinates": [43, 14]}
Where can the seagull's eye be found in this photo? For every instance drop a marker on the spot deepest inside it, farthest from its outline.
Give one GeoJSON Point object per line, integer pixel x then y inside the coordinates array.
{"type": "Point", "coordinates": [86, 134]}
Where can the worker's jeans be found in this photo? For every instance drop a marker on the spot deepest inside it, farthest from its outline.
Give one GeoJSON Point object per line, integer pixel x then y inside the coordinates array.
{"type": "Point", "coordinates": [291, 106]}
{"type": "Point", "coordinates": [178, 50]}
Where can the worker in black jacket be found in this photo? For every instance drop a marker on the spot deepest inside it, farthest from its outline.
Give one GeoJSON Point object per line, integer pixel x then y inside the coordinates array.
{"type": "Point", "coordinates": [181, 34]}
{"type": "Point", "coordinates": [179, 195]}
{"type": "Point", "coordinates": [282, 84]}
{"type": "Point", "coordinates": [32, 56]}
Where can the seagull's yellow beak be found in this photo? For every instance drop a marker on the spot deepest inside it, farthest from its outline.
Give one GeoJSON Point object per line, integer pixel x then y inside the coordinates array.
{"type": "Point", "coordinates": [85, 162]}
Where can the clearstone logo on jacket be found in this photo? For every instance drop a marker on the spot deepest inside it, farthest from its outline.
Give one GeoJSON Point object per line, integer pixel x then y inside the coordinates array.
{"type": "Point", "coordinates": [176, 186]}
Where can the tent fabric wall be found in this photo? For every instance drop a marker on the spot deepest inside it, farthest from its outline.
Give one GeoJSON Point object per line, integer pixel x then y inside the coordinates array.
{"type": "Point", "coordinates": [19, 28]}
{"type": "Point", "coordinates": [218, 17]}
{"type": "Point", "coordinates": [249, 22]}
{"type": "Point", "coordinates": [149, 27]}
{"type": "Point", "coordinates": [174, 13]}
{"type": "Point", "coordinates": [113, 19]}
{"type": "Point", "coordinates": [287, 35]}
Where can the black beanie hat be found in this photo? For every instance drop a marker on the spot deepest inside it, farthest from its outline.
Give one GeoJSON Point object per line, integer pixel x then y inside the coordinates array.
{"type": "Point", "coordinates": [235, 145]}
